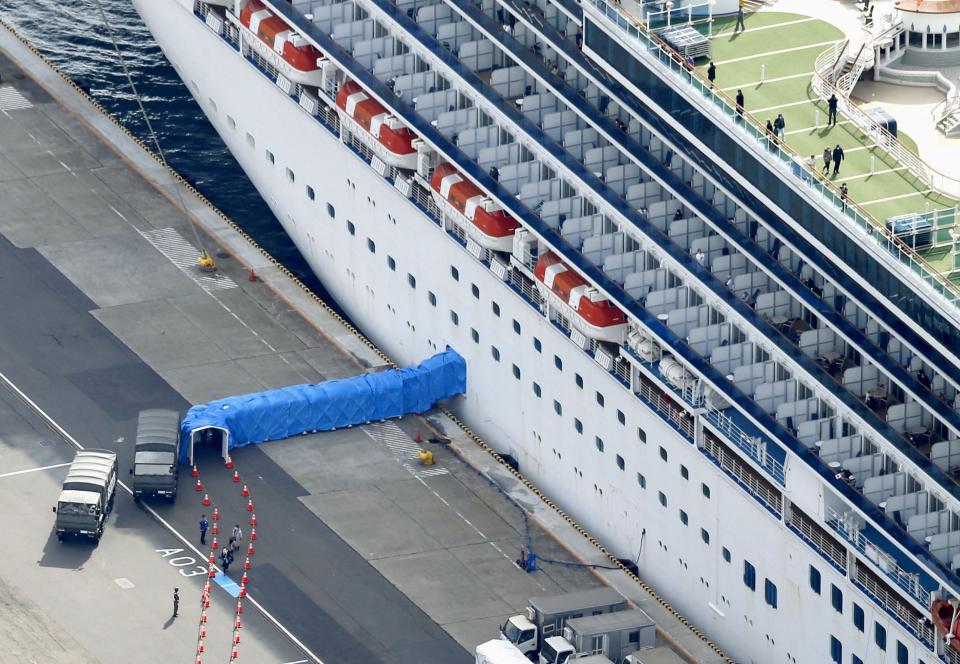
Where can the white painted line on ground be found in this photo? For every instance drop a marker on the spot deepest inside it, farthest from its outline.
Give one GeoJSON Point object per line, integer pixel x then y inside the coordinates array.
{"type": "Point", "coordinates": [33, 470]}
{"type": "Point", "coordinates": [118, 213]}
{"type": "Point", "coordinates": [923, 192]}
{"type": "Point", "coordinates": [807, 130]}
{"type": "Point", "coordinates": [173, 531]}
{"type": "Point", "coordinates": [772, 53]}
{"type": "Point", "coordinates": [780, 106]}
{"type": "Point", "coordinates": [299, 661]}
{"type": "Point", "coordinates": [12, 100]}
{"type": "Point", "coordinates": [721, 33]}
{"type": "Point", "coordinates": [755, 84]}
{"type": "Point", "coordinates": [883, 172]}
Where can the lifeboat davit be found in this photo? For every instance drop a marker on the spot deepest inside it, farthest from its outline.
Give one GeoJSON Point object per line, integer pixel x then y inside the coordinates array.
{"type": "Point", "coordinates": [591, 313]}
{"type": "Point", "coordinates": [284, 48]}
{"type": "Point", "coordinates": [388, 138]}
{"type": "Point", "coordinates": [942, 614]}
{"type": "Point", "coordinates": [489, 227]}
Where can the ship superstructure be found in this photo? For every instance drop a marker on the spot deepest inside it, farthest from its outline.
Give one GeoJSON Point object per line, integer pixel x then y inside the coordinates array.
{"type": "Point", "coordinates": [712, 369]}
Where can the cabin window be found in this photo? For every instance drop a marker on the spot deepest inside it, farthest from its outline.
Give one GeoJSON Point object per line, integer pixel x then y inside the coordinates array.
{"type": "Point", "coordinates": [836, 598]}
{"type": "Point", "coordinates": [749, 575]}
{"type": "Point", "coordinates": [474, 335]}
{"type": "Point", "coordinates": [331, 211]}
{"type": "Point", "coordinates": [455, 273]}
{"type": "Point", "coordinates": [726, 555]}
{"type": "Point", "coordinates": [251, 141]}
{"type": "Point", "coordinates": [642, 435]}
{"type": "Point", "coordinates": [880, 636]}
{"type": "Point", "coordinates": [291, 177]}
{"type": "Point", "coordinates": [836, 650]}
{"type": "Point", "coordinates": [642, 481]}
{"type": "Point", "coordinates": [231, 122]}
{"type": "Point", "coordinates": [412, 280]}
{"type": "Point", "coordinates": [536, 390]}
{"type": "Point", "coordinates": [270, 157]}
{"type": "Point", "coordinates": [557, 407]}
{"type": "Point", "coordinates": [770, 593]}
{"type": "Point", "coordinates": [705, 536]}
{"type": "Point", "coordinates": [351, 228]}
{"type": "Point", "coordinates": [621, 418]}
{"type": "Point", "coordinates": [684, 473]}
{"type": "Point", "coordinates": [600, 399]}
{"type": "Point", "coordinates": [516, 372]}
{"type": "Point", "coordinates": [372, 246]}
{"type": "Point", "coordinates": [662, 497]}
{"type": "Point", "coordinates": [684, 519]}
{"type": "Point", "coordinates": [537, 346]}
{"type": "Point", "coordinates": [598, 441]}
{"type": "Point", "coordinates": [858, 620]}
{"type": "Point", "coordinates": [815, 587]}
{"type": "Point", "coordinates": [516, 327]}
{"type": "Point", "coordinates": [705, 490]}
{"type": "Point", "coordinates": [431, 298]}
{"type": "Point", "coordinates": [578, 379]}
{"type": "Point", "coordinates": [557, 362]}
{"type": "Point", "coordinates": [663, 453]}
{"type": "Point", "coordinates": [454, 317]}
{"type": "Point", "coordinates": [621, 464]}
{"type": "Point", "coordinates": [392, 264]}
{"type": "Point", "coordinates": [495, 353]}
{"type": "Point", "coordinates": [475, 290]}
{"type": "Point", "coordinates": [902, 653]}
{"type": "Point", "coordinates": [495, 308]}
{"type": "Point", "coordinates": [311, 194]}
{"type": "Point", "coordinates": [578, 425]}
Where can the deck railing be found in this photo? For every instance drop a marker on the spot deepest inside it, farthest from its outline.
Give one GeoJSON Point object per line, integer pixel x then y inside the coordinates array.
{"type": "Point", "coordinates": [862, 222]}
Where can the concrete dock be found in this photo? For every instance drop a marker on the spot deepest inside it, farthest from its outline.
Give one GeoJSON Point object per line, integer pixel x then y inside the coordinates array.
{"type": "Point", "coordinates": [363, 555]}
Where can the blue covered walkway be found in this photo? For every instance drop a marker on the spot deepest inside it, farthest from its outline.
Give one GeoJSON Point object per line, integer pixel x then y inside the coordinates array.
{"type": "Point", "coordinates": [255, 418]}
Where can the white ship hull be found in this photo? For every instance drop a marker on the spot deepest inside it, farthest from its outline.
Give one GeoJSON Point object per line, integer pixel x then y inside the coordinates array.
{"type": "Point", "coordinates": [254, 116]}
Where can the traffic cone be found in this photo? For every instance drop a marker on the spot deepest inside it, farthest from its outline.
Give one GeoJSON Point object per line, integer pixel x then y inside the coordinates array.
{"type": "Point", "coordinates": [253, 519]}
{"type": "Point", "coordinates": [245, 492]}
{"type": "Point", "coordinates": [199, 486]}
{"type": "Point", "coordinates": [237, 625]}
{"type": "Point", "coordinates": [243, 591]}
{"type": "Point", "coordinates": [419, 438]}
{"type": "Point", "coordinates": [203, 618]}
{"type": "Point", "coordinates": [199, 659]}
{"type": "Point", "coordinates": [215, 545]}
{"type": "Point", "coordinates": [212, 573]}
{"type": "Point", "coordinates": [239, 607]}
{"type": "Point", "coordinates": [236, 637]}
{"type": "Point", "coordinates": [206, 602]}
{"type": "Point", "coordinates": [229, 462]}
{"type": "Point", "coordinates": [195, 473]}
{"type": "Point", "coordinates": [206, 499]}
{"type": "Point", "coordinates": [235, 654]}
{"type": "Point", "coordinates": [216, 514]}
{"type": "Point", "coordinates": [250, 549]}
{"type": "Point", "coordinates": [246, 564]}
{"type": "Point", "coordinates": [244, 579]}
{"type": "Point", "coordinates": [250, 505]}
{"type": "Point", "coordinates": [236, 477]}
{"type": "Point", "coordinates": [200, 648]}
{"type": "Point", "coordinates": [206, 586]}
{"type": "Point", "coordinates": [216, 528]}
{"type": "Point", "coordinates": [203, 631]}
{"type": "Point", "coordinates": [253, 531]}
{"type": "Point", "coordinates": [211, 560]}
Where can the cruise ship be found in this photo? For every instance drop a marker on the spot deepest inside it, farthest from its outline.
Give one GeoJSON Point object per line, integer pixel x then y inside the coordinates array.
{"type": "Point", "coordinates": [730, 364]}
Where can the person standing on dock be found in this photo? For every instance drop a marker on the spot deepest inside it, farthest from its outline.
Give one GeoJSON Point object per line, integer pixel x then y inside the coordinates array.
{"type": "Point", "coordinates": [827, 156]}
{"type": "Point", "coordinates": [740, 102]}
{"type": "Point", "coordinates": [740, 24]}
{"type": "Point", "coordinates": [176, 602]}
{"type": "Point", "coordinates": [832, 106]}
{"type": "Point", "coordinates": [844, 194]}
{"type": "Point", "coordinates": [204, 524]}
{"type": "Point", "coordinates": [837, 158]}
{"type": "Point", "coordinates": [712, 73]}
{"type": "Point", "coordinates": [779, 124]}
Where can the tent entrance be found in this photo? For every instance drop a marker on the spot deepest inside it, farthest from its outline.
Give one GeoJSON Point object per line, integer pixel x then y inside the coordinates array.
{"type": "Point", "coordinates": [209, 438]}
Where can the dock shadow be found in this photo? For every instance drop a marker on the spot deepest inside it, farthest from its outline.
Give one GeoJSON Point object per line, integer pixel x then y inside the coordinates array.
{"type": "Point", "coordinates": [72, 553]}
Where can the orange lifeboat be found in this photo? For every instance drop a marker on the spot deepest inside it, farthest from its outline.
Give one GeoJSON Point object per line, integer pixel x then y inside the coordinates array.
{"type": "Point", "coordinates": [592, 314]}
{"type": "Point", "coordinates": [390, 140]}
{"type": "Point", "coordinates": [281, 46]}
{"type": "Point", "coordinates": [491, 229]}
{"type": "Point", "coordinates": [942, 614]}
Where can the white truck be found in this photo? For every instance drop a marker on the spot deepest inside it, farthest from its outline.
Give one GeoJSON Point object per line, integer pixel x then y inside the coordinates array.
{"type": "Point", "coordinates": [613, 635]}
{"type": "Point", "coordinates": [546, 616]}
{"type": "Point", "coordinates": [499, 651]}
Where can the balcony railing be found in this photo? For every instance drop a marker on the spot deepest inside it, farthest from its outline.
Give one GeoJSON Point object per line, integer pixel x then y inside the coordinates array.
{"type": "Point", "coordinates": [905, 581]}
{"type": "Point", "coordinates": [862, 223]}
